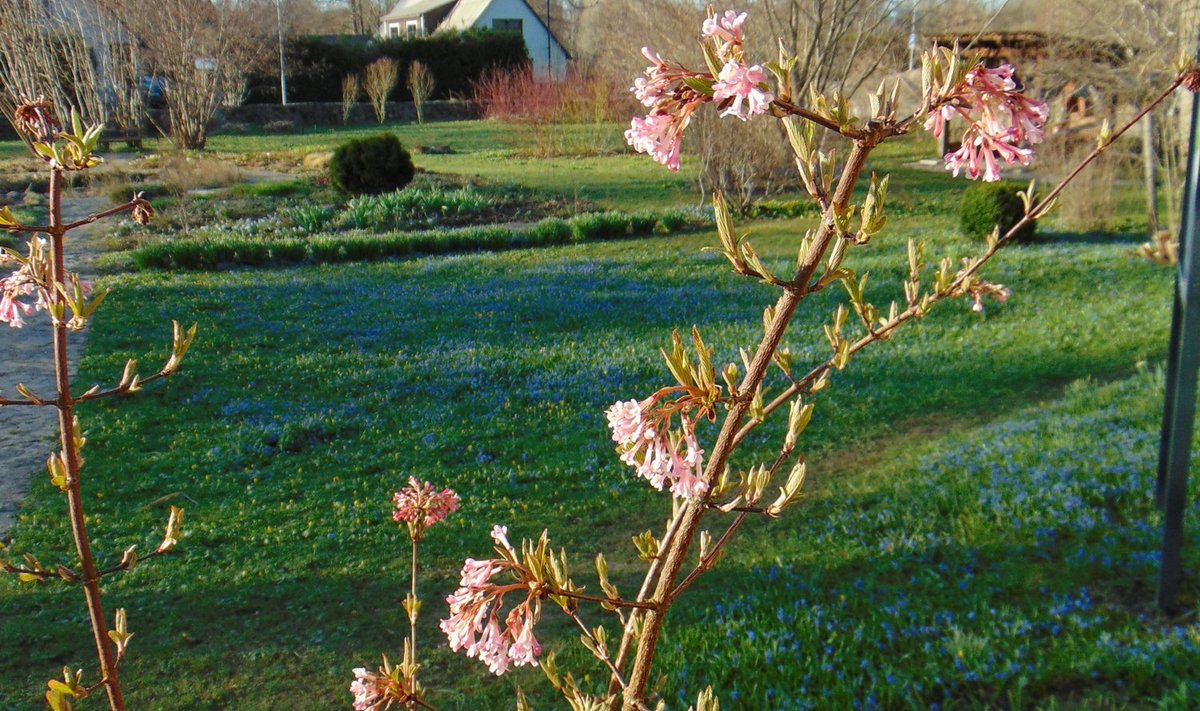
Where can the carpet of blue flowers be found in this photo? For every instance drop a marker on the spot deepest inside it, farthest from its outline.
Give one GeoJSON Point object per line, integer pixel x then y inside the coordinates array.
{"type": "Point", "coordinates": [1010, 566]}
{"type": "Point", "coordinates": [950, 553]}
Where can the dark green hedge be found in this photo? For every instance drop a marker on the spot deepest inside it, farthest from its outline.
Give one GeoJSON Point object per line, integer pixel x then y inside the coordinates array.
{"type": "Point", "coordinates": [371, 165]}
{"type": "Point", "coordinates": [986, 205]}
{"type": "Point", "coordinates": [316, 65]}
{"type": "Point", "coordinates": [227, 252]}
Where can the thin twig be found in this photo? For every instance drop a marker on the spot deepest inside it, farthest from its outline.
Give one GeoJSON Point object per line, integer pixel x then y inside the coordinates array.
{"type": "Point", "coordinates": [120, 389]}
{"type": "Point", "coordinates": [5, 402]}
{"type": "Point", "coordinates": [809, 115]}
{"type": "Point", "coordinates": [615, 602]}
{"type": "Point", "coordinates": [100, 215]}
{"type": "Point", "coordinates": [600, 652]}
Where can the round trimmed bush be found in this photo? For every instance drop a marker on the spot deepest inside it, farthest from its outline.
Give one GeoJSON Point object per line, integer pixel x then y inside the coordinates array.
{"type": "Point", "coordinates": [371, 165]}
{"type": "Point", "coordinates": [985, 205]}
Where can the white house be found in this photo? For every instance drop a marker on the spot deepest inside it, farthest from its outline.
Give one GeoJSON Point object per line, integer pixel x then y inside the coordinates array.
{"type": "Point", "coordinates": [413, 18]}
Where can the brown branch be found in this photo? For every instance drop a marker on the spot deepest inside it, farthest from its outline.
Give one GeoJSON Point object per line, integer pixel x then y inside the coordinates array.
{"type": "Point", "coordinates": [651, 572]}
{"type": "Point", "coordinates": [5, 402]}
{"type": "Point", "coordinates": [121, 389]}
{"type": "Point", "coordinates": [27, 228]}
{"type": "Point", "coordinates": [600, 652]}
{"type": "Point", "coordinates": [615, 602]}
{"type": "Point", "coordinates": [128, 566]}
{"type": "Point", "coordinates": [99, 215]}
{"type": "Point", "coordinates": [41, 575]}
{"type": "Point", "coordinates": [788, 107]}
{"type": "Point", "coordinates": [709, 560]}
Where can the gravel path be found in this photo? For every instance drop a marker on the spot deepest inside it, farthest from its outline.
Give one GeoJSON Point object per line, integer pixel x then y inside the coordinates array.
{"type": "Point", "coordinates": [27, 434]}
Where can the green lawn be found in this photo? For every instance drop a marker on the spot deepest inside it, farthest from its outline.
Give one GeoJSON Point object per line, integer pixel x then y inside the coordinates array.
{"type": "Point", "coordinates": [976, 530]}
{"type": "Point", "coordinates": [312, 393]}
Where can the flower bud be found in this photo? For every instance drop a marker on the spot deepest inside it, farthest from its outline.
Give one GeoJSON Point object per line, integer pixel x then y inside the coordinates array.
{"type": "Point", "coordinates": [36, 119]}
{"type": "Point", "coordinates": [142, 212]}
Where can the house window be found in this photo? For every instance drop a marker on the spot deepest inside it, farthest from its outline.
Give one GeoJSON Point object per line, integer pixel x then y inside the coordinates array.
{"type": "Point", "coordinates": [414, 28]}
{"type": "Point", "coordinates": [514, 26]}
{"type": "Point", "coordinates": [394, 29]}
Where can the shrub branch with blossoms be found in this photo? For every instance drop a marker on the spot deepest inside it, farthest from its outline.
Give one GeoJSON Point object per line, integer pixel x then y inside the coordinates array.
{"type": "Point", "coordinates": [418, 506]}
{"type": "Point", "coordinates": [41, 282]}
{"type": "Point", "coordinates": [499, 601]}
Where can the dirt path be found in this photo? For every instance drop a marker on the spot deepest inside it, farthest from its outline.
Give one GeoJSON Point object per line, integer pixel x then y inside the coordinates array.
{"type": "Point", "coordinates": [27, 434]}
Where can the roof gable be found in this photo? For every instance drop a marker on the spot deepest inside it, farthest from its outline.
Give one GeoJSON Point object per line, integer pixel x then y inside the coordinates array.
{"type": "Point", "coordinates": [415, 8]}
{"type": "Point", "coordinates": [467, 12]}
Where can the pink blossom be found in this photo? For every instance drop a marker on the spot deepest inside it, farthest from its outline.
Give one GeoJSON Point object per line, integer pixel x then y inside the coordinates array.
{"type": "Point", "coordinates": [741, 83]}
{"type": "Point", "coordinates": [726, 31]}
{"type": "Point", "coordinates": [644, 442]}
{"type": "Point", "coordinates": [17, 286]}
{"type": "Point", "coordinates": [474, 622]}
{"type": "Point", "coordinates": [660, 136]}
{"type": "Point", "coordinates": [500, 537]}
{"type": "Point", "coordinates": [420, 505]}
{"type": "Point", "coordinates": [978, 289]}
{"type": "Point", "coordinates": [370, 691]}
{"type": "Point", "coordinates": [673, 92]}
{"type": "Point", "coordinates": [655, 81]}
{"type": "Point", "coordinates": [1001, 122]}
{"type": "Point", "coordinates": [727, 26]}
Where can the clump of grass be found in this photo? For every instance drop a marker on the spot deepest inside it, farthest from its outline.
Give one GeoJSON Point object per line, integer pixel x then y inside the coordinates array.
{"type": "Point", "coordinates": [309, 219]}
{"type": "Point", "coordinates": [251, 248]}
{"type": "Point", "coordinates": [278, 189]}
{"type": "Point", "coordinates": [600, 225]}
{"type": "Point", "coordinates": [413, 207]}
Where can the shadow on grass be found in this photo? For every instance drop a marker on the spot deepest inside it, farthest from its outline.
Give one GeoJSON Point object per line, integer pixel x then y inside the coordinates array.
{"type": "Point", "coordinates": [1129, 237]}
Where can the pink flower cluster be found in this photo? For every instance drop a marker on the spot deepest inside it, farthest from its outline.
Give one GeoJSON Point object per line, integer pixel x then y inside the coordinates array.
{"type": "Point", "coordinates": [740, 83]}
{"type": "Point", "coordinates": [672, 103]}
{"type": "Point", "coordinates": [474, 622]}
{"type": "Point", "coordinates": [673, 93]}
{"type": "Point", "coordinates": [997, 292]}
{"type": "Point", "coordinates": [420, 505]}
{"type": "Point", "coordinates": [370, 691]}
{"type": "Point", "coordinates": [16, 290]}
{"type": "Point", "coordinates": [645, 442]}
{"type": "Point", "coordinates": [726, 30]}
{"type": "Point", "coordinates": [1001, 122]}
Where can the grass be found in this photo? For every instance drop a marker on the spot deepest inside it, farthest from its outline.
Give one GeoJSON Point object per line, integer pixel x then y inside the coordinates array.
{"type": "Point", "coordinates": [312, 393]}
{"type": "Point", "coordinates": [493, 151]}
{"type": "Point", "coordinates": [976, 532]}
{"type": "Point", "coordinates": [272, 243]}
{"type": "Point", "coordinates": [1003, 566]}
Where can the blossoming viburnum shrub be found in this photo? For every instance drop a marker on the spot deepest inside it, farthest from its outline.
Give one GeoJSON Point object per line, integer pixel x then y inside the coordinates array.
{"type": "Point", "coordinates": [1001, 123]}
{"type": "Point", "coordinates": [41, 282]}
{"type": "Point", "coordinates": [418, 506]}
{"type": "Point", "coordinates": [657, 435]}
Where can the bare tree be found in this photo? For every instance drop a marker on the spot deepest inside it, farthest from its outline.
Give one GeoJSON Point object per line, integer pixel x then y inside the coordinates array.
{"type": "Point", "coordinates": [381, 78]}
{"type": "Point", "coordinates": [841, 43]}
{"type": "Point", "coordinates": [421, 85]}
{"type": "Point", "coordinates": [75, 54]}
{"type": "Point", "coordinates": [350, 91]}
{"type": "Point", "coordinates": [202, 51]}
{"type": "Point", "coordinates": [365, 14]}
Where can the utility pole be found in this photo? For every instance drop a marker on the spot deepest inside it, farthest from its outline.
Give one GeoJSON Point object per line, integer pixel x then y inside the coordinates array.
{"type": "Point", "coordinates": [912, 38]}
{"type": "Point", "coordinates": [282, 60]}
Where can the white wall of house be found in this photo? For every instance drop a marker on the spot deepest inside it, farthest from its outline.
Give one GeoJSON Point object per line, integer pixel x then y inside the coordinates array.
{"type": "Point", "coordinates": [547, 55]}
